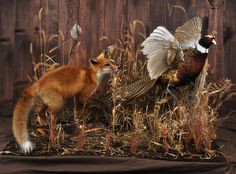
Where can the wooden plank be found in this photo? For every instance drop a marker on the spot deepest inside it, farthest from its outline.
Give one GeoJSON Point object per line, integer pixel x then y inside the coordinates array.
{"type": "Point", "coordinates": [171, 13]}
{"type": "Point", "coordinates": [39, 23]}
{"type": "Point", "coordinates": [104, 18]}
{"type": "Point", "coordinates": [96, 20]}
{"type": "Point", "coordinates": [7, 20]}
{"type": "Point", "coordinates": [23, 37]}
{"type": "Point", "coordinates": [115, 20]}
{"type": "Point", "coordinates": [158, 14]}
{"type": "Point", "coordinates": [7, 70]}
{"type": "Point", "coordinates": [213, 21]}
{"type": "Point", "coordinates": [177, 14]}
{"type": "Point", "coordinates": [216, 54]}
{"type": "Point", "coordinates": [229, 39]}
{"type": "Point", "coordinates": [7, 28]}
{"type": "Point", "coordinates": [52, 28]}
{"type": "Point", "coordinates": [139, 10]}
{"type": "Point", "coordinates": [49, 25]}
{"type": "Point", "coordinates": [68, 16]}
{"type": "Point", "coordinates": [91, 19]}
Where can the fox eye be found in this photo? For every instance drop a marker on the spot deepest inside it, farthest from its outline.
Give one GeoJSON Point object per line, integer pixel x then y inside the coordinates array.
{"type": "Point", "coordinates": [107, 64]}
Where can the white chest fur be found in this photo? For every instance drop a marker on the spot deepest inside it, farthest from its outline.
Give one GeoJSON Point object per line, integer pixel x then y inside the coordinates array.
{"type": "Point", "coordinates": [99, 79]}
{"type": "Point", "coordinates": [99, 76]}
{"type": "Point", "coordinates": [202, 49]}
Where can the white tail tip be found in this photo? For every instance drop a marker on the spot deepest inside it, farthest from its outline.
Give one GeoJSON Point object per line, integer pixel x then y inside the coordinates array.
{"type": "Point", "coordinates": [27, 147]}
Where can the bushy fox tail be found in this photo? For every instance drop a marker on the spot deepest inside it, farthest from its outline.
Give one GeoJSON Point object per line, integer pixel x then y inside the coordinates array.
{"type": "Point", "coordinates": [20, 118]}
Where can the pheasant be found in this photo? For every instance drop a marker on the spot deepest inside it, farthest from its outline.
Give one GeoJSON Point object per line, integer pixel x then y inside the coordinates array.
{"type": "Point", "coordinates": [172, 60]}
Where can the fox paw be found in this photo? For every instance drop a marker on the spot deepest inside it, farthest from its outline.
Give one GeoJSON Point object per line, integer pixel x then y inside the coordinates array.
{"type": "Point", "coordinates": [27, 147]}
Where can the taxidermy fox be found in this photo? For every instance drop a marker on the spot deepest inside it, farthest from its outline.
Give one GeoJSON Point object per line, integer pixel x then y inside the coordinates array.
{"type": "Point", "coordinates": [53, 87]}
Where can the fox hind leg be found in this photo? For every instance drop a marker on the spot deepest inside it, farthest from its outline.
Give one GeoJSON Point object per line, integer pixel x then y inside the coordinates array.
{"type": "Point", "coordinates": [54, 101]}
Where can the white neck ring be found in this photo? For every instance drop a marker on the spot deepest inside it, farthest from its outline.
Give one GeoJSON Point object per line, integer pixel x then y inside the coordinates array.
{"type": "Point", "coordinates": [202, 49]}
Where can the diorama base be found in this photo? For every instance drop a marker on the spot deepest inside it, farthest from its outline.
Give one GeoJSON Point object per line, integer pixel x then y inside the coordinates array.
{"type": "Point", "coordinates": [90, 164]}
{"type": "Point", "coordinates": [11, 164]}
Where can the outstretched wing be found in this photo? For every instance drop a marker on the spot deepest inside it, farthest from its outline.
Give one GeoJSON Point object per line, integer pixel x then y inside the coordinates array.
{"type": "Point", "coordinates": [189, 33]}
{"type": "Point", "coordinates": [161, 49]}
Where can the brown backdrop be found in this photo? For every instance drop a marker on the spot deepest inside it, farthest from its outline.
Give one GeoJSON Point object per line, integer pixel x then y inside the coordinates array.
{"type": "Point", "coordinates": [19, 25]}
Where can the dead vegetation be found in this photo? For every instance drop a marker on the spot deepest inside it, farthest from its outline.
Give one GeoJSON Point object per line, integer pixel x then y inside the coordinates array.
{"type": "Point", "coordinates": [178, 122]}
{"type": "Point", "coordinates": [156, 125]}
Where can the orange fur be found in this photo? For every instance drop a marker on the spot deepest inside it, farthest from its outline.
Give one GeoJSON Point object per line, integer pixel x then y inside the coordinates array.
{"type": "Point", "coordinates": [53, 88]}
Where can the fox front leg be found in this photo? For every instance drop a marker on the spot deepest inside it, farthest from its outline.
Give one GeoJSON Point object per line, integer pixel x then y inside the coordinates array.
{"type": "Point", "coordinates": [84, 95]}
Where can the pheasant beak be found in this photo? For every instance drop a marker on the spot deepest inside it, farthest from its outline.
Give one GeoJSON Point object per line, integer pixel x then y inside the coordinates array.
{"type": "Point", "coordinates": [214, 41]}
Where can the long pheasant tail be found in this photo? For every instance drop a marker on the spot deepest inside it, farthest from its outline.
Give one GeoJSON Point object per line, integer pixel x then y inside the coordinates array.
{"type": "Point", "coordinates": [137, 88]}
{"type": "Point", "coordinates": [20, 119]}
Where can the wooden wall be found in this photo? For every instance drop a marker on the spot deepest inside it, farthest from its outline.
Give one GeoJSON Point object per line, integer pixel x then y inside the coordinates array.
{"type": "Point", "coordinates": [19, 26]}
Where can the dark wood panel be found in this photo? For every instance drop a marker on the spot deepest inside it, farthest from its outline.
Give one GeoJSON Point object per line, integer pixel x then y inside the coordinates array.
{"type": "Point", "coordinates": [39, 23]}
{"type": "Point", "coordinates": [216, 54]}
{"type": "Point", "coordinates": [158, 14]}
{"type": "Point", "coordinates": [115, 20]}
{"type": "Point", "coordinates": [139, 10]}
{"type": "Point", "coordinates": [171, 13]}
{"type": "Point", "coordinates": [48, 22]}
{"type": "Point", "coordinates": [52, 28]}
{"type": "Point", "coordinates": [91, 19]}
{"type": "Point", "coordinates": [7, 20]}
{"type": "Point", "coordinates": [68, 16]}
{"type": "Point", "coordinates": [229, 39]}
{"type": "Point", "coordinates": [6, 72]}
{"type": "Point", "coordinates": [7, 30]}
{"type": "Point", "coordinates": [24, 29]}
{"type": "Point", "coordinates": [101, 18]}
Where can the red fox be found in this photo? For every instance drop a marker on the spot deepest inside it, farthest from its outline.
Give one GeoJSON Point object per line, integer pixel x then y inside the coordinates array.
{"type": "Point", "coordinates": [53, 88]}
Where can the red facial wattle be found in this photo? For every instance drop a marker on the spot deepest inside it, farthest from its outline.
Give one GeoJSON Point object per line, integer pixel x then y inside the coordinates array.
{"type": "Point", "coordinates": [208, 40]}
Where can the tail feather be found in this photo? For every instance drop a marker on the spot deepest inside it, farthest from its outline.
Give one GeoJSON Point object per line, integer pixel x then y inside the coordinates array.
{"type": "Point", "coordinates": [20, 119]}
{"type": "Point", "coordinates": [137, 88]}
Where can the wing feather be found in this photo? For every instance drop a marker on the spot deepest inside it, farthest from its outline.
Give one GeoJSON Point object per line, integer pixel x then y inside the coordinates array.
{"type": "Point", "coordinates": [189, 33]}
{"type": "Point", "coordinates": [156, 48]}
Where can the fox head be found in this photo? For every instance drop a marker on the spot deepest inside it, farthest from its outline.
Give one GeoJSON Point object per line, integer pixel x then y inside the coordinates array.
{"type": "Point", "coordinates": [103, 65]}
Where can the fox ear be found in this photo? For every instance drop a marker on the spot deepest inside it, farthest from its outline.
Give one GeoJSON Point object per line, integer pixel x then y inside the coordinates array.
{"type": "Point", "coordinates": [93, 61]}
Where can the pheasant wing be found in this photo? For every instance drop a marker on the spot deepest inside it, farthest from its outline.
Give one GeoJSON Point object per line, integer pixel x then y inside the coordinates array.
{"type": "Point", "coordinates": [189, 33]}
{"type": "Point", "coordinates": [161, 49]}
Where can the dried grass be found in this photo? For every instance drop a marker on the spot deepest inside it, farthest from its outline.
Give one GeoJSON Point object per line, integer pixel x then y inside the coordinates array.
{"type": "Point", "coordinates": [42, 63]}
{"type": "Point", "coordinates": [185, 127]}
{"type": "Point", "coordinates": [48, 50]}
{"type": "Point", "coordinates": [168, 127]}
